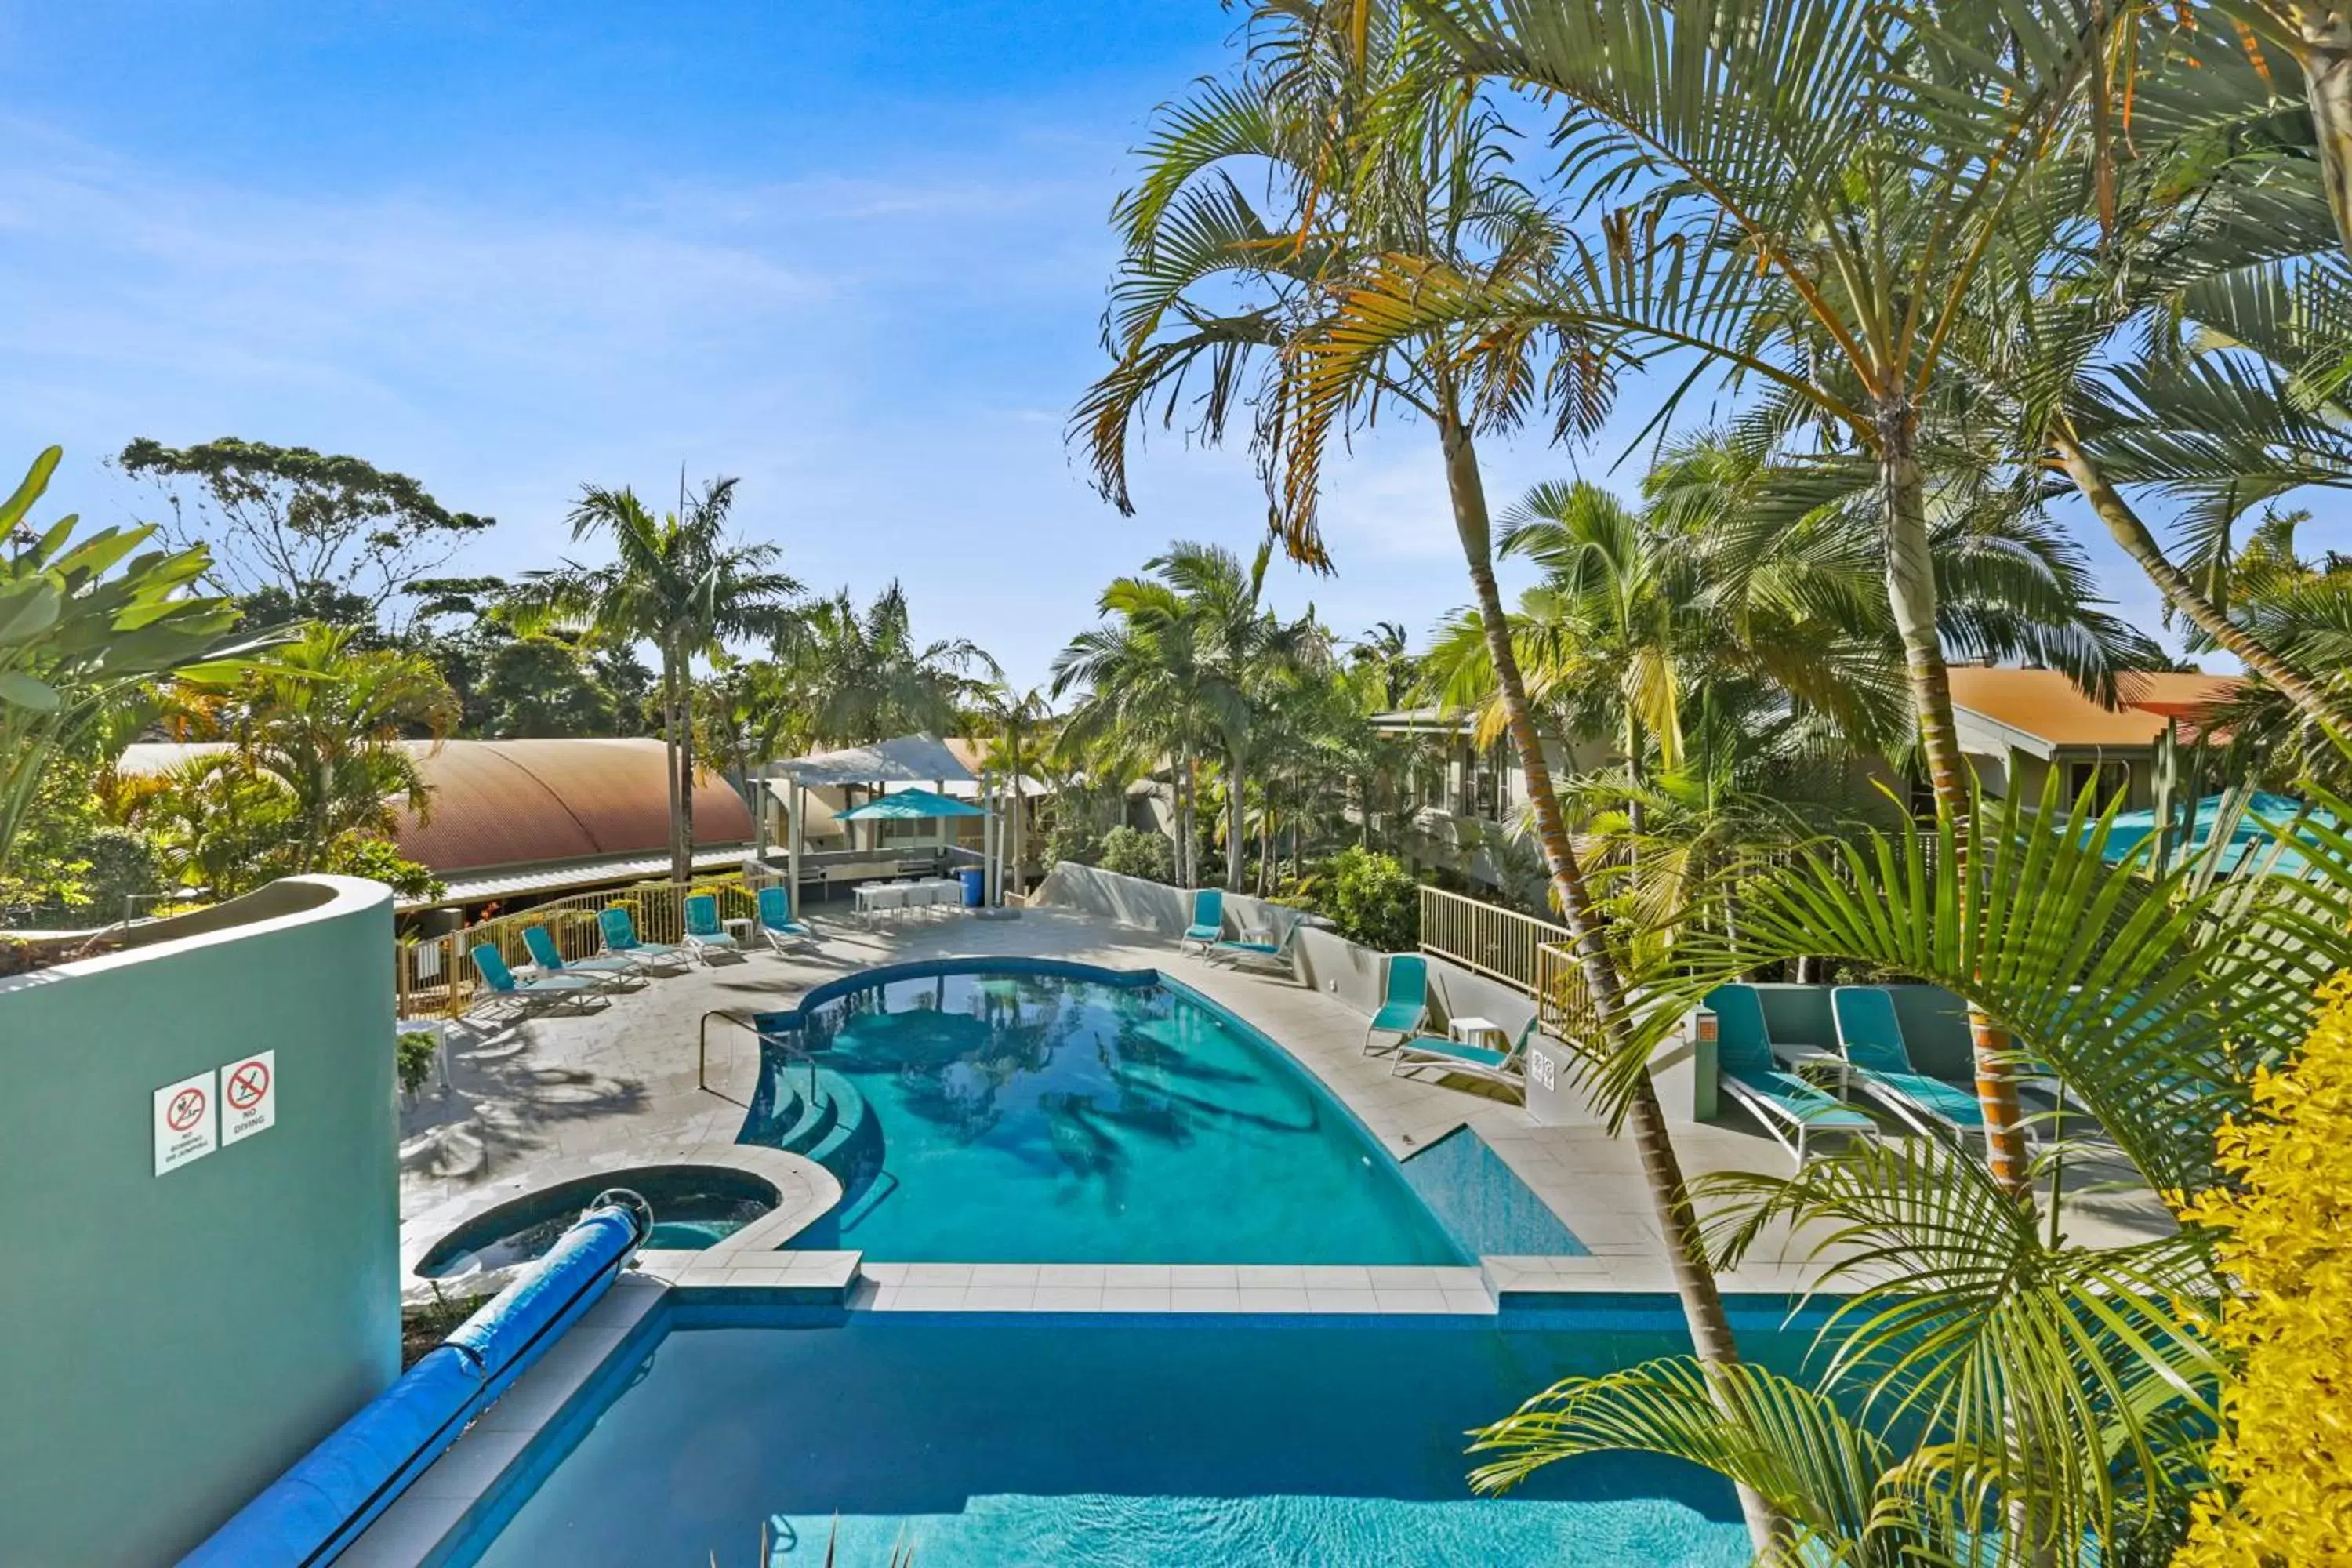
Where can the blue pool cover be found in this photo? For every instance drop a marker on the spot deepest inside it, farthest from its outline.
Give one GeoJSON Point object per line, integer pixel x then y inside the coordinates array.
{"type": "Point", "coordinates": [320, 1506]}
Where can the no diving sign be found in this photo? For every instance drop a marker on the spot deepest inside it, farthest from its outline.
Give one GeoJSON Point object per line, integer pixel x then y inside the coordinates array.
{"type": "Point", "coordinates": [186, 1120]}
{"type": "Point", "coordinates": [248, 1088]}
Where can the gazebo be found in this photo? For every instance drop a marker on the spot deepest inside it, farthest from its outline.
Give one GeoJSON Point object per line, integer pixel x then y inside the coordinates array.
{"type": "Point", "coordinates": [909, 760]}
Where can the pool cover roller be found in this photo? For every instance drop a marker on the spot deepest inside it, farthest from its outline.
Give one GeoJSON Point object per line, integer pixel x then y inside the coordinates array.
{"type": "Point", "coordinates": [314, 1511]}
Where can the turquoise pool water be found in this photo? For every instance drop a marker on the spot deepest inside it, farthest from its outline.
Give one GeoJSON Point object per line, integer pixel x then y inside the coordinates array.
{"type": "Point", "coordinates": [1107, 1442]}
{"type": "Point", "coordinates": [1026, 1118]}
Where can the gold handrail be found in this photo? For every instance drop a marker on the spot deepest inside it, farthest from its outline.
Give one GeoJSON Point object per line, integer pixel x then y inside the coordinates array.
{"type": "Point", "coordinates": [434, 975]}
{"type": "Point", "coordinates": [1500, 943]}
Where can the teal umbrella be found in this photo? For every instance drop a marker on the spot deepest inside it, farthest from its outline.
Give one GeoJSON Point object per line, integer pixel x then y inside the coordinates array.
{"type": "Point", "coordinates": [910, 806]}
{"type": "Point", "coordinates": [2250, 838]}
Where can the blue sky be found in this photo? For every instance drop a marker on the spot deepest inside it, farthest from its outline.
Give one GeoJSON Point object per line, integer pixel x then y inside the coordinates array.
{"type": "Point", "coordinates": [855, 254]}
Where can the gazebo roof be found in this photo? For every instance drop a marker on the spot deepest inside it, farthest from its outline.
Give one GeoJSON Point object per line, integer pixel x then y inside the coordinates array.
{"type": "Point", "coordinates": [909, 758]}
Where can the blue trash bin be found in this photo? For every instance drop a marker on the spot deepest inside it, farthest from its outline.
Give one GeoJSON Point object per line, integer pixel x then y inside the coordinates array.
{"type": "Point", "coordinates": [975, 886]}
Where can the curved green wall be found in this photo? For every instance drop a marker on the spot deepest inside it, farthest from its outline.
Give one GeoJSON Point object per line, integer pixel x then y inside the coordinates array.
{"type": "Point", "coordinates": [168, 1344]}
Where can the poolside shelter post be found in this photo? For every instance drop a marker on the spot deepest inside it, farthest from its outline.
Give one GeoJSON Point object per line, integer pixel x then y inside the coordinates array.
{"type": "Point", "coordinates": [793, 854]}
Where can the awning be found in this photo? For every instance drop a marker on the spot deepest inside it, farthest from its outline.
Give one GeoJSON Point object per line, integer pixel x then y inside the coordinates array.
{"type": "Point", "coordinates": [909, 804]}
{"type": "Point", "coordinates": [475, 887]}
{"type": "Point", "coordinates": [909, 758]}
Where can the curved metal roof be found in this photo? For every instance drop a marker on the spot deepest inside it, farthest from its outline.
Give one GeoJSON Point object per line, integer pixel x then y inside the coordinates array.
{"type": "Point", "coordinates": [525, 803]}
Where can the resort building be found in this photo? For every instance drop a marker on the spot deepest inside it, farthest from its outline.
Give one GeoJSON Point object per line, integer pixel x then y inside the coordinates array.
{"type": "Point", "coordinates": [2016, 726]}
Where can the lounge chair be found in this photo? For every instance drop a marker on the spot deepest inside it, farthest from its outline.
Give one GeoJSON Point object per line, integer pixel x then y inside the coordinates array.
{"type": "Point", "coordinates": [776, 921]}
{"type": "Point", "coordinates": [1871, 1035]}
{"type": "Point", "coordinates": [620, 933]}
{"type": "Point", "coordinates": [522, 994]}
{"type": "Point", "coordinates": [1208, 919]}
{"type": "Point", "coordinates": [1506, 1068]}
{"type": "Point", "coordinates": [1789, 1108]}
{"type": "Point", "coordinates": [550, 960]}
{"type": "Point", "coordinates": [1405, 999]}
{"type": "Point", "coordinates": [704, 934]}
{"type": "Point", "coordinates": [1276, 955]}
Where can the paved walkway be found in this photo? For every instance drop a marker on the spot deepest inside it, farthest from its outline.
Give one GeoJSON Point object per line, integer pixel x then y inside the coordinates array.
{"type": "Point", "coordinates": [568, 1088]}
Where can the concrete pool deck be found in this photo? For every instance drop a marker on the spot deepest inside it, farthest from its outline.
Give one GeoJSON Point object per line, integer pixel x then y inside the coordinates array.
{"type": "Point", "coordinates": [562, 1091]}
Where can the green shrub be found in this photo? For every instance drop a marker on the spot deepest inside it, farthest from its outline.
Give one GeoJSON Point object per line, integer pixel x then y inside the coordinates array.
{"type": "Point", "coordinates": [1372, 899]}
{"type": "Point", "coordinates": [1073, 841]}
{"type": "Point", "coordinates": [1131, 852]}
{"type": "Point", "coordinates": [377, 859]}
{"type": "Point", "coordinates": [413, 1059]}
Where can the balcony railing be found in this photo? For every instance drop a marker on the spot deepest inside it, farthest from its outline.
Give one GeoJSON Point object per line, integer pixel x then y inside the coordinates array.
{"type": "Point", "coordinates": [1518, 950]}
{"type": "Point", "coordinates": [1498, 943]}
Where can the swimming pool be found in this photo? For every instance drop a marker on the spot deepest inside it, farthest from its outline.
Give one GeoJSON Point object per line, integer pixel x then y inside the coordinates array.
{"type": "Point", "coordinates": [1106, 1441]}
{"type": "Point", "coordinates": [1060, 1116]}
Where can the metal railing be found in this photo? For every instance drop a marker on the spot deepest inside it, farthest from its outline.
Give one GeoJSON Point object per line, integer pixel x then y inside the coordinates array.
{"type": "Point", "coordinates": [1500, 943]}
{"type": "Point", "coordinates": [434, 975]}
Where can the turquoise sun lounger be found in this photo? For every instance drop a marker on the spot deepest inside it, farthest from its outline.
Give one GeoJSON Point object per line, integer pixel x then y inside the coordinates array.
{"type": "Point", "coordinates": [1871, 1035]}
{"type": "Point", "coordinates": [1789, 1108]}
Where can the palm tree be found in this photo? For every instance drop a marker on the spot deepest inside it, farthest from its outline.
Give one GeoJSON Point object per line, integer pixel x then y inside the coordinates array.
{"type": "Point", "coordinates": [1809, 195]}
{"type": "Point", "coordinates": [1141, 708]}
{"type": "Point", "coordinates": [861, 675]}
{"type": "Point", "coordinates": [1018, 727]}
{"type": "Point", "coordinates": [324, 725]}
{"type": "Point", "coordinates": [677, 582]}
{"type": "Point", "coordinates": [1365, 173]}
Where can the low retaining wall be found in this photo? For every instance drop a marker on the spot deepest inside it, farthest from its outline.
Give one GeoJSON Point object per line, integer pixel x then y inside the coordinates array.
{"type": "Point", "coordinates": [1326, 961]}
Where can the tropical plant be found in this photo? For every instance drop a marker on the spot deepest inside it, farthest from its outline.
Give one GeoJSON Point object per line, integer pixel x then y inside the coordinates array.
{"type": "Point", "coordinates": [323, 731]}
{"type": "Point", "coordinates": [860, 676]}
{"type": "Point", "coordinates": [1131, 852]}
{"type": "Point", "coordinates": [1377, 168]}
{"type": "Point", "coordinates": [2282, 1496]}
{"type": "Point", "coordinates": [2040, 1392]}
{"type": "Point", "coordinates": [79, 637]}
{"type": "Point", "coordinates": [677, 582]}
{"type": "Point", "coordinates": [1372, 899]}
{"type": "Point", "coordinates": [1018, 728]}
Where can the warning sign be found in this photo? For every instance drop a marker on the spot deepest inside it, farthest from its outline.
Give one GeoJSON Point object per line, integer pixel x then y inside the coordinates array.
{"type": "Point", "coordinates": [248, 1088]}
{"type": "Point", "coordinates": [186, 1120]}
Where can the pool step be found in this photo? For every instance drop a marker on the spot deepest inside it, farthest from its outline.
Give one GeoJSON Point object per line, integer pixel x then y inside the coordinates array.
{"type": "Point", "coordinates": [827, 1120]}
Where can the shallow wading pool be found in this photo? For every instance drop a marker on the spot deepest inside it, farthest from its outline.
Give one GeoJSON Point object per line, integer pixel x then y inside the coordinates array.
{"type": "Point", "coordinates": [1102, 1440]}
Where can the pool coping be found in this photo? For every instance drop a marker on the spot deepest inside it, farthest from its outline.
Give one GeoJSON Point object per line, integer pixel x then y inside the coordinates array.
{"type": "Point", "coordinates": [806, 1193]}
{"type": "Point", "coordinates": [432, 1515]}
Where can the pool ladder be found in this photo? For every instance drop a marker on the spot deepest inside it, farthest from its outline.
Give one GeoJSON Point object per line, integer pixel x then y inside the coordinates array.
{"type": "Point", "coordinates": [794, 1052]}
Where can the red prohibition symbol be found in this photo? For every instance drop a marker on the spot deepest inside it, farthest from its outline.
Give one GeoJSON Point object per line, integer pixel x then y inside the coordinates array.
{"type": "Point", "coordinates": [185, 1108]}
{"type": "Point", "coordinates": [247, 1085]}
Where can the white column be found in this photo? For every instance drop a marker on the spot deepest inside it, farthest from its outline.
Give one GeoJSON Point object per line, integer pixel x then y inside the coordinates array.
{"type": "Point", "coordinates": [793, 850]}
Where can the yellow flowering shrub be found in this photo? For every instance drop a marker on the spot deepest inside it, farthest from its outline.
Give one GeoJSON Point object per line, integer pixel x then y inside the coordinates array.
{"type": "Point", "coordinates": [2284, 1457]}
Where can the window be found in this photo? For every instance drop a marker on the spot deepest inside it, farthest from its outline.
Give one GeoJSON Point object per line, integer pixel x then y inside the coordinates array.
{"type": "Point", "coordinates": [2105, 779]}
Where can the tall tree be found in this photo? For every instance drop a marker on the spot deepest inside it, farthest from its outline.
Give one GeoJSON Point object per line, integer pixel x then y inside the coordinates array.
{"type": "Point", "coordinates": [1811, 195]}
{"type": "Point", "coordinates": [862, 675]}
{"type": "Point", "coordinates": [306, 531]}
{"type": "Point", "coordinates": [680, 582]}
{"type": "Point", "coordinates": [1371, 157]}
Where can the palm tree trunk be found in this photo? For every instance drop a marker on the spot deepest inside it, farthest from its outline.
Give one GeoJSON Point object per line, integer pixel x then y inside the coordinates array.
{"type": "Point", "coordinates": [686, 777]}
{"type": "Point", "coordinates": [669, 752]}
{"type": "Point", "coordinates": [1687, 1260]}
{"type": "Point", "coordinates": [1911, 594]}
{"type": "Point", "coordinates": [2180, 590]}
{"type": "Point", "coordinates": [1236, 825]}
{"type": "Point", "coordinates": [2326, 48]}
